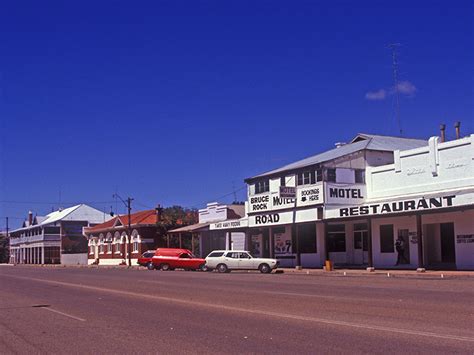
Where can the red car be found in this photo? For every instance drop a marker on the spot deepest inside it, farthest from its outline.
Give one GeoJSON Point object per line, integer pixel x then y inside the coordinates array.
{"type": "Point", "coordinates": [170, 259]}
{"type": "Point", "coordinates": [145, 259]}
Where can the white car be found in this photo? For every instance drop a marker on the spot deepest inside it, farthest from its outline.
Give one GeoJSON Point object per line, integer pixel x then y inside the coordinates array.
{"type": "Point", "coordinates": [226, 260]}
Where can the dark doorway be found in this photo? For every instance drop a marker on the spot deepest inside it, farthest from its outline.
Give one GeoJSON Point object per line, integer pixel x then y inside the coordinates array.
{"type": "Point", "coordinates": [447, 243]}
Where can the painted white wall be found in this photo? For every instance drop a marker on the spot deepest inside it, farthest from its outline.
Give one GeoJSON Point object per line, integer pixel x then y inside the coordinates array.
{"type": "Point", "coordinates": [345, 176]}
{"type": "Point", "coordinates": [463, 225]}
{"type": "Point", "coordinates": [388, 260]}
{"type": "Point", "coordinates": [437, 167]}
{"type": "Point", "coordinates": [74, 259]}
{"type": "Point", "coordinates": [213, 212]}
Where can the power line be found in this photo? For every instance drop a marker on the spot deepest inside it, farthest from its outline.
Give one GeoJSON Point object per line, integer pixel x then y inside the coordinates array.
{"type": "Point", "coordinates": [55, 202]}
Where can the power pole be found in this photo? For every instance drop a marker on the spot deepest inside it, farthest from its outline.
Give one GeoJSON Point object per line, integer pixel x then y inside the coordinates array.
{"type": "Point", "coordinates": [8, 239]}
{"type": "Point", "coordinates": [129, 207]}
{"type": "Point", "coordinates": [393, 47]}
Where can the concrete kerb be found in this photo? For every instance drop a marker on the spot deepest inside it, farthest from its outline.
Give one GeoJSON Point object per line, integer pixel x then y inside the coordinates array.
{"type": "Point", "coordinates": [428, 274]}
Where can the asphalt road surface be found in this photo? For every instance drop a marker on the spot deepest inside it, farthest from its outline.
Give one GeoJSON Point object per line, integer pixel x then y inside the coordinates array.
{"type": "Point", "coordinates": [85, 310]}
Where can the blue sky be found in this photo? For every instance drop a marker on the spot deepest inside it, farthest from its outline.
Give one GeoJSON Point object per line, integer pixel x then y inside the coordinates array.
{"type": "Point", "coordinates": [176, 102]}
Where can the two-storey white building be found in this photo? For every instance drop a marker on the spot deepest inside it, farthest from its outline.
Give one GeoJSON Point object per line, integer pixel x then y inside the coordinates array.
{"type": "Point", "coordinates": [55, 238]}
{"type": "Point", "coordinates": [294, 229]}
{"type": "Point", "coordinates": [377, 201]}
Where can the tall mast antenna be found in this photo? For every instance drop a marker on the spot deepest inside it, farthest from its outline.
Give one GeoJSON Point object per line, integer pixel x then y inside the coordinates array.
{"type": "Point", "coordinates": [394, 47]}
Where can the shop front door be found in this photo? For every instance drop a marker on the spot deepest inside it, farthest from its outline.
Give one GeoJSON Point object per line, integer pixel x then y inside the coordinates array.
{"type": "Point", "coordinates": [361, 235]}
{"type": "Point", "coordinates": [447, 243]}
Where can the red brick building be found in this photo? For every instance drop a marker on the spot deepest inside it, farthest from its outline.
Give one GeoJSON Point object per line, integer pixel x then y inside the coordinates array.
{"type": "Point", "coordinates": [108, 241]}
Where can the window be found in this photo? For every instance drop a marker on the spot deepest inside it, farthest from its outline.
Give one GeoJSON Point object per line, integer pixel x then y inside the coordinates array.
{"type": "Point", "coordinates": [307, 238]}
{"type": "Point", "coordinates": [101, 247]}
{"type": "Point", "coordinates": [262, 186]}
{"type": "Point", "coordinates": [319, 175]}
{"type": "Point", "coordinates": [148, 255]}
{"type": "Point", "coordinates": [331, 175]}
{"type": "Point", "coordinates": [386, 239]}
{"type": "Point", "coordinates": [282, 181]}
{"type": "Point", "coordinates": [52, 230]}
{"type": "Point", "coordinates": [135, 246]}
{"type": "Point", "coordinates": [185, 256]}
{"type": "Point", "coordinates": [359, 176]}
{"type": "Point", "coordinates": [306, 178]}
{"type": "Point", "coordinates": [215, 254]}
{"type": "Point", "coordinates": [336, 238]}
{"type": "Point", "coordinates": [117, 246]}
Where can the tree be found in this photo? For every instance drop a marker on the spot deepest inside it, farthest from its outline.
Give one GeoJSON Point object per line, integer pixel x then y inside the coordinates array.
{"type": "Point", "coordinates": [175, 217]}
{"type": "Point", "coordinates": [4, 251]}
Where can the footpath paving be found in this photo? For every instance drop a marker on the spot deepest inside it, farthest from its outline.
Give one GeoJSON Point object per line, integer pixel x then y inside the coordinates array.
{"type": "Point", "coordinates": [306, 271]}
{"type": "Point", "coordinates": [382, 273]}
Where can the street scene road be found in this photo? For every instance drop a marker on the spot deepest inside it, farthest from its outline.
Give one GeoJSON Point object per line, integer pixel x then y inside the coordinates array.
{"type": "Point", "coordinates": [106, 310]}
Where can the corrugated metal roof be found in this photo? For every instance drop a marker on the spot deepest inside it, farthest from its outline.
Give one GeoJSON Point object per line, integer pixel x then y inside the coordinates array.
{"type": "Point", "coordinates": [361, 142]}
{"type": "Point", "coordinates": [80, 212]}
{"type": "Point", "coordinates": [191, 228]}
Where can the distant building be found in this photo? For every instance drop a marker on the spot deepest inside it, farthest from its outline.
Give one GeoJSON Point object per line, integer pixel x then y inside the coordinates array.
{"type": "Point", "coordinates": [201, 240]}
{"type": "Point", "coordinates": [55, 238]}
{"type": "Point", "coordinates": [108, 241]}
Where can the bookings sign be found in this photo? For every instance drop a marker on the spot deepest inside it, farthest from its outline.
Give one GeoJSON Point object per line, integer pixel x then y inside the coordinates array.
{"type": "Point", "coordinates": [398, 206]}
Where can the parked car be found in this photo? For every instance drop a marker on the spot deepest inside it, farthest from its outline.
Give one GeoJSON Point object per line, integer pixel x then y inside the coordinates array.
{"type": "Point", "coordinates": [227, 260]}
{"type": "Point", "coordinates": [145, 259]}
{"type": "Point", "coordinates": [170, 259]}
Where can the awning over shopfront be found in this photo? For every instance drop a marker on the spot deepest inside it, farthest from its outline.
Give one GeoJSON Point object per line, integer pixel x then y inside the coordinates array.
{"type": "Point", "coordinates": [193, 228]}
{"type": "Point", "coordinates": [430, 202]}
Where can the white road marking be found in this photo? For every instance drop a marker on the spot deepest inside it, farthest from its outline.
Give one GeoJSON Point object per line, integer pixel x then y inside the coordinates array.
{"type": "Point", "coordinates": [63, 314]}
{"type": "Point", "coordinates": [254, 311]}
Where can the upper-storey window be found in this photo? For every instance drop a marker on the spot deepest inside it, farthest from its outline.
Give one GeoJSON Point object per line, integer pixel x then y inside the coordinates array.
{"type": "Point", "coordinates": [282, 181]}
{"type": "Point", "coordinates": [359, 176]}
{"type": "Point", "coordinates": [309, 177]}
{"type": "Point", "coordinates": [262, 186]}
{"type": "Point", "coordinates": [331, 175]}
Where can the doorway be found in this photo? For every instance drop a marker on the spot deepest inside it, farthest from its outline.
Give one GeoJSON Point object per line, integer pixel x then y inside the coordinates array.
{"type": "Point", "coordinates": [439, 250]}
{"type": "Point", "coordinates": [404, 246]}
{"type": "Point", "coordinates": [361, 235]}
{"type": "Point", "coordinates": [447, 243]}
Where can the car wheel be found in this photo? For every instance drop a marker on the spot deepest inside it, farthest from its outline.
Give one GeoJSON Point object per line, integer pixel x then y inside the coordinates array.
{"type": "Point", "coordinates": [150, 266]}
{"type": "Point", "coordinates": [265, 269]}
{"type": "Point", "coordinates": [222, 268]}
{"type": "Point", "coordinates": [203, 267]}
{"type": "Point", "coordinates": [165, 267]}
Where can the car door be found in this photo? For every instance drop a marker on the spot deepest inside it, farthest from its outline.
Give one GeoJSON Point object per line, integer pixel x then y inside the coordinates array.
{"type": "Point", "coordinates": [231, 260]}
{"type": "Point", "coordinates": [245, 261]}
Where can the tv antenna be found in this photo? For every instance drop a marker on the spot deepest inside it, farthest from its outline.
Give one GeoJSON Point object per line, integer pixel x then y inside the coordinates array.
{"type": "Point", "coordinates": [234, 191]}
{"type": "Point", "coordinates": [394, 48]}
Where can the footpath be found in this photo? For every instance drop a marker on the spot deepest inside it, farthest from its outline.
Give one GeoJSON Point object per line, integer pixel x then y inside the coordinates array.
{"type": "Point", "coordinates": [398, 273]}
{"type": "Point", "coordinates": [382, 273]}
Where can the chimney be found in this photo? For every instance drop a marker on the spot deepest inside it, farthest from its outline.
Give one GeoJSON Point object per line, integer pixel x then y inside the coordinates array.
{"type": "Point", "coordinates": [442, 128]}
{"type": "Point", "coordinates": [457, 127]}
{"type": "Point", "coordinates": [30, 218]}
{"type": "Point", "coordinates": [158, 210]}
{"type": "Point", "coordinates": [339, 144]}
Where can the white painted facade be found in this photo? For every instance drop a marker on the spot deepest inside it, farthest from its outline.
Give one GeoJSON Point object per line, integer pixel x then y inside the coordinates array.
{"type": "Point", "coordinates": [437, 182]}
{"type": "Point", "coordinates": [355, 214]}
